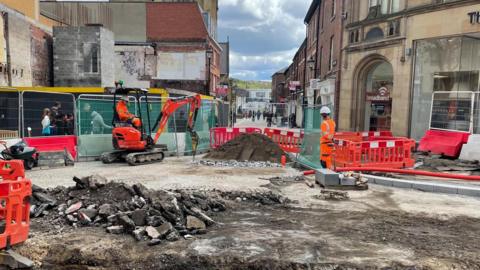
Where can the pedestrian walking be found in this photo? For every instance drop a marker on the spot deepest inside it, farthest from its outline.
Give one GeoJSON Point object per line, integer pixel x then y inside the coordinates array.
{"type": "Point", "coordinates": [253, 116]}
{"type": "Point", "coordinates": [46, 122]}
{"type": "Point", "coordinates": [258, 115]}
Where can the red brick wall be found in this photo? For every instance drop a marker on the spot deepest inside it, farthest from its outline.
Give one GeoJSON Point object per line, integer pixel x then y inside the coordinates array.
{"type": "Point", "coordinates": [332, 26]}
{"type": "Point", "coordinates": [42, 53]}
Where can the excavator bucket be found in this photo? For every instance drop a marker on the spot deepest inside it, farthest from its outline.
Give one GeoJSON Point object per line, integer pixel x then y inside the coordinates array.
{"type": "Point", "coordinates": [195, 139]}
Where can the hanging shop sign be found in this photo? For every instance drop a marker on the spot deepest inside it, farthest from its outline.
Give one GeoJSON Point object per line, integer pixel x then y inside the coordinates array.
{"type": "Point", "coordinates": [474, 17]}
{"type": "Point", "coordinates": [381, 94]}
{"type": "Point", "coordinates": [293, 85]}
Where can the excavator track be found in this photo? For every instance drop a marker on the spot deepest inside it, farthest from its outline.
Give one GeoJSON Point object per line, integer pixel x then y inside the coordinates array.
{"type": "Point", "coordinates": [111, 157]}
{"type": "Point", "coordinates": [141, 158]}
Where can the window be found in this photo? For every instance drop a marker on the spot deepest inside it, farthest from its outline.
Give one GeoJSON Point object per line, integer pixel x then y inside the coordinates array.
{"type": "Point", "coordinates": [90, 56]}
{"type": "Point", "coordinates": [354, 35]}
{"type": "Point", "coordinates": [333, 8]}
{"type": "Point", "coordinates": [330, 60]}
{"type": "Point", "coordinates": [386, 6]}
{"type": "Point", "coordinates": [320, 57]}
{"type": "Point", "coordinates": [374, 33]}
{"type": "Point", "coordinates": [393, 28]}
{"type": "Point", "coordinates": [95, 59]}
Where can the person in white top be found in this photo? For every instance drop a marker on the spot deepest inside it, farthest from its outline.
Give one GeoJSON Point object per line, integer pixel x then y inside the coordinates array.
{"type": "Point", "coordinates": [46, 131]}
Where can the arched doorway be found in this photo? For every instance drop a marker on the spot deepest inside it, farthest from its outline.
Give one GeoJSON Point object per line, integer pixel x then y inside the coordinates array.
{"type": "Point", "coordinates": [374, 84]}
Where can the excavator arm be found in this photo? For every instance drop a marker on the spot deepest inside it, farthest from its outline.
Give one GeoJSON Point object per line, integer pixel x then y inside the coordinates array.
{"type": "Point", "coordinates": [170, 107]}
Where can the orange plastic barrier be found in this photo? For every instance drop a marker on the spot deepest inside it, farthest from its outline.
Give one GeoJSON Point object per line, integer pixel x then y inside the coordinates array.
{"type": "Point", "coordinates": [15, 192]}
{"type": "Point", "coordinates": [221, 135]}
{"type": "Point", "coordinates": [287, 140]}
{"type": "Point", "coordinates": [366, 149]}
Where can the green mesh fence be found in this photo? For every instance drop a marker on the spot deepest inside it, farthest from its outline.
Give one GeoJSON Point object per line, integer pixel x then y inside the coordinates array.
{"type": "Point", "coordinates": [169, 136]}
{"type": "Point", "coordinates": [94, 119]}
{"type": "Point", "coordinates": [206, 119]}
{"type": "Point", "coordinates": [310, 153]}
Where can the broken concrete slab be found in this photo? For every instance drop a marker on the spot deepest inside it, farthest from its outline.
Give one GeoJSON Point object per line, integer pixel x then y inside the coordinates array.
{"type": "Point", "coordinates": [115, 229]}
{"type": "Point", "coordinates": [152, 232]}
{"type": "Point", "coordinates": [106, 210]}
{"type": "Point", "coordinates": [139, 216]}
{"type": "Point", "coordinates": [73, 208]}
{"type": "Point", "coordinates": [90, 213]}
{"type": "Point", "coordinates": [13, 260]}
{"type": "Point", "coordinates": [164, 229]}
{"type": "Point", "coordinates": [194, 223]}
{"type": "Point", "coordinates": [126, 222]}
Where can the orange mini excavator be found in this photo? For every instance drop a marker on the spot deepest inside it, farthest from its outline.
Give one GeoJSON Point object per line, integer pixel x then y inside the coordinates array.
{"type": "Point", "coordinates": [133, 142]}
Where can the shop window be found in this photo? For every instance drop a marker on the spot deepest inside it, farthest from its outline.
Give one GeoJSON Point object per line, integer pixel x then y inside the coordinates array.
{"type": "Point", "coordinates": [446, 69]}
{"type": "Point", "coordinates": [374, 34]}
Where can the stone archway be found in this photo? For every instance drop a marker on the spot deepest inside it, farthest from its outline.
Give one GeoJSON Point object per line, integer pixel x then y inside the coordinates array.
{"type": "Point", "coordinates": [372, 86]}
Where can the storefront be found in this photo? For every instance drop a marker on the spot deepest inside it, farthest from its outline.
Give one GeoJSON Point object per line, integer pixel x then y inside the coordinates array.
{"type": "Point", "coordinates": [413, 72]}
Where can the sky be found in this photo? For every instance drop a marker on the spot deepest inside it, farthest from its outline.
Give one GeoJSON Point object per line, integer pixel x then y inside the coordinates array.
{"type": "Point", "coordinates": [264, 34]}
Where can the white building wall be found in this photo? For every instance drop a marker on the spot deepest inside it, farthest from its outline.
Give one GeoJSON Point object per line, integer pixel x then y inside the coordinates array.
{"type": "Point", "coordinates": [181, 65]}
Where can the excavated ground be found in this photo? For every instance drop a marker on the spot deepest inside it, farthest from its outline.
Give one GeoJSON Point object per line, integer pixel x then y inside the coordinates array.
{"type": "Point", "coordinates": [381, 228]}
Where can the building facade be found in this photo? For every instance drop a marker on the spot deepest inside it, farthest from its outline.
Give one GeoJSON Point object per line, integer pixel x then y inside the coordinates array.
{"type": "Point", "coordinates": [83, 56]}
{"type": "Point", "coordinates": [406, 68]}
{"type": "Point", "coordinates": [25, 46]}
{"type": "Point", "coordinates": [324, 22]}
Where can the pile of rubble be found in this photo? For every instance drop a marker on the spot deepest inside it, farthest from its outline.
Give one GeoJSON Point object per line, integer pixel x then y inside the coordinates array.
{"type": "Point", "coordinates": [430, 162]}
{"type": "Point", "coordinates": [148, 215]}
{"type": "Point", "coordinates": [234, 163]}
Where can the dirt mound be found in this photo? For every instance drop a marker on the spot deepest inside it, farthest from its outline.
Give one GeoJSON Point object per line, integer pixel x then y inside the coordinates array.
{"type": "Point", "coordinates": [249, 147]}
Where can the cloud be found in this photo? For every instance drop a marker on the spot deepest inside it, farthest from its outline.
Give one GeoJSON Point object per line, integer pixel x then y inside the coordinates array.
{"type": "Point", "coordinates": [264, 35]}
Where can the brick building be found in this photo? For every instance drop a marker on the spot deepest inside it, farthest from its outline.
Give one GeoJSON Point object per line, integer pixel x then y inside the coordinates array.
{"type": "Point", "coordinates": [279, 88]}
{"type": "Point", "coordinates": [188, 57]}
{"type": "Point", "coordinates": [324, 22]}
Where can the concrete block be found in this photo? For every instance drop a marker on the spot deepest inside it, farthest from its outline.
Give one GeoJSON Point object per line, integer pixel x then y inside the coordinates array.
{"type": "Point", "coordinates": [326, 177]}
{"type": "Point", "coordinates": [469, 191]}
{"type": "Point", "coordinates": [402, 184]}
{"type": "Point", "coordinates": [381, 181]}
{"type": "Point", "coordinates": [423, 187]}
{"type": "Point", "coordinates": [348, 181]}
{"type": "Point", "coordinates": [448, 189]}
{"type": "Point", "coordinates": [471, 150]}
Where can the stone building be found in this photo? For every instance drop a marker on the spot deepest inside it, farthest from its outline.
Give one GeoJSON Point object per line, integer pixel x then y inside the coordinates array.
{"type": "Point", "coordinates": [409, 65]}
{"type": "Point", "coordinates": [83, 56]}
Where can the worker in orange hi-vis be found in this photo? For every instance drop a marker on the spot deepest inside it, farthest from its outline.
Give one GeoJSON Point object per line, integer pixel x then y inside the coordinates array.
{"type": "Point", "coordinates": [124, 115]}
{"type": "Point", "coordinates": [326, 138]}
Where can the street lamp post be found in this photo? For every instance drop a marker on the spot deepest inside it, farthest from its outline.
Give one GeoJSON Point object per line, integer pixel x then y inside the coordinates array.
{"type": "Point", "coordinates": [209, 54]}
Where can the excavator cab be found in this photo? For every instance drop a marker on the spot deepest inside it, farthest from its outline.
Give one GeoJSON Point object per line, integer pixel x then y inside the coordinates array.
{"type": "Point", "coordinates": [134, 143]}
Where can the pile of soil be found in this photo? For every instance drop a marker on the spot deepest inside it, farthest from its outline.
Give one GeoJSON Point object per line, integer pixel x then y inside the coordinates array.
{"type": "Point", "coordinates": [249, 147]}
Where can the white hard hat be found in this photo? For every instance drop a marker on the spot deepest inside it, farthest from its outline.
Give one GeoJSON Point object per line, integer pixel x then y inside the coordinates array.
{"type": "Point", "coordinates": [325, 110]}
{"type": "Point", "coordinates": [124, 98]}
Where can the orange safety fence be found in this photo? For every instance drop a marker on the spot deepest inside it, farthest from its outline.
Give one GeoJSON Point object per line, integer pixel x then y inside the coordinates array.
{"type": "Point", "coordinates": [15, 193]}
{"type": "Point", "coordinates": [359, 149]}
{"type": "Point", "coordinates": [289, 141]}
{"type": "Point", "coordinates": [222, 135]}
